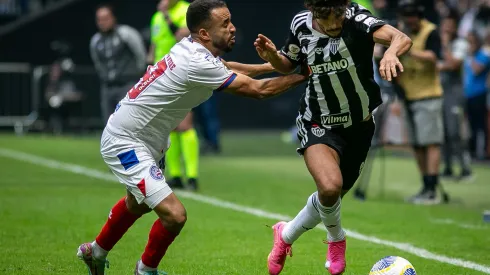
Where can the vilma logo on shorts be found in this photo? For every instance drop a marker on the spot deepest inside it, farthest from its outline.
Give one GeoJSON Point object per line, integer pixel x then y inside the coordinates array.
{"type": "Point", "coordinates": [156, 173]}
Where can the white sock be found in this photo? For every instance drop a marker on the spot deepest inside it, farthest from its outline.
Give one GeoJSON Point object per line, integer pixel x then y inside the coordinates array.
{"type": "Point", "coordinates": [306, 219]}
{"type": "Point", "coordinates": [144, 268]}
{"type": "Point", "coordinates": [331, 219]}
{"type": "Point", "coordinates": [98, 252]}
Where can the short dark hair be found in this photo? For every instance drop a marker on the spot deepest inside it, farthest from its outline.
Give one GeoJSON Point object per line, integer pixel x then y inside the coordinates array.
{"type": "Point", "coordinates": [108, 6]}
{"type": "Point", "coordinates": [323, 8]}
{"type": "Point", "coordinates": [199, 13]}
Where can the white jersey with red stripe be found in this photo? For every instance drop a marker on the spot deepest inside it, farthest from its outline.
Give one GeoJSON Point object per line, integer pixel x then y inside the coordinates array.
{"type": "Point", "coordinates": [182, 80]}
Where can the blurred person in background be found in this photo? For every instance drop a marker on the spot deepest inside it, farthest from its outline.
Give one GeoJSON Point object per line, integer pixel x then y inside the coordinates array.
{"type": "Point", "coordinates": [207, 117]}
{"type": "Point", "coordinates": [486, 49]}
{"type": "Point", "coordinates": [168, 26]}
{"type": "Point", "coordinates": [476, 18]}
{"type": "Point", "coordinates": [476, 71]}
{"type": "Point", "coordinates": [380, 114]}
{"type": "Point", "coordinates": [454, 51]}
{"type": "Point", "coordinates": [422, 93]}
{"type": "Point", "coordinates": [61, 94]}
{"type": "Point", "coordinates": [119, 56]}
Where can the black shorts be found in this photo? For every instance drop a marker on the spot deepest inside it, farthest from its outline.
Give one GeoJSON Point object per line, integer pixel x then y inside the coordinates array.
{"type": "Point", "coordinates": [352, 144]}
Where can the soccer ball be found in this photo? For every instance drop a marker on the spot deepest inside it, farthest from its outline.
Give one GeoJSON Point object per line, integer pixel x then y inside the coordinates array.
{"type": "Point", "coordinates": [393, 265]}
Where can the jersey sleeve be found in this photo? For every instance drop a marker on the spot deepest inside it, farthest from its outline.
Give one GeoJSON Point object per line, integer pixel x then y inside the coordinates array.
{"type": "Point", "coordinates": [363, 20]}
{"type": "Point", "coordinates": [210, 72]}
{"type": "Point", "coordinates": [292, 48]}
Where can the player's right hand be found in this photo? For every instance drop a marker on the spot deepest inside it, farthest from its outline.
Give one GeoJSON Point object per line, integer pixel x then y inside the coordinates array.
{"type": "Point", "coordinates": [265, 48]}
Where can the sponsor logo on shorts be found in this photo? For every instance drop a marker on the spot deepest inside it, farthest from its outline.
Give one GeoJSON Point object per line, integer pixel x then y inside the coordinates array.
{"type": "Point", "coordinates": [335, 119]}
{"type": "Point", "coordinates": [156, 173]}
{"type": "Point", "coordinates": [317, 131]}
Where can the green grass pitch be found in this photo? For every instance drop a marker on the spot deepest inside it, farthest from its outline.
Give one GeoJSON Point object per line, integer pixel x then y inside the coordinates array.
{"type": "Point", "coordinates": [45, 213]}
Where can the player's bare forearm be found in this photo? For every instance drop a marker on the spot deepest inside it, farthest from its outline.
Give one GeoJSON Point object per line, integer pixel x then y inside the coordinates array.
{"type": "Point", "coordinates": [282, 64]}
{"type": "Point", "coordinates": [264, 88]}
{"type": "Point", "coordinates": [396, 41]}
{"type": "Point", "coordinates": [274, 86]}
{"type": "Point", "coordinates": [250, 70]}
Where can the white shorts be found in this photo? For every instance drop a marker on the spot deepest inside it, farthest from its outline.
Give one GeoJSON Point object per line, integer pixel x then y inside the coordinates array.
{"type": "Point", "coordinates": [135, 167]}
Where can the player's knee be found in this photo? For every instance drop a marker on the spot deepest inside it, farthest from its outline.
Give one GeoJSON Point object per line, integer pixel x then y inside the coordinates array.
{"type": "Point", "coordinates": [134, 207]}
{"type": "Point", "coordinates": [329, 189]}
{"type": "Point", "coordinates": [177, 218]}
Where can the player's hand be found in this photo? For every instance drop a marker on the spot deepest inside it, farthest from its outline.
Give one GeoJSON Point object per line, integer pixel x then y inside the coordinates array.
{"type": "Point", "coordinates": [388, 66]}
{"type": "Point", "coordinates": [265, 48]}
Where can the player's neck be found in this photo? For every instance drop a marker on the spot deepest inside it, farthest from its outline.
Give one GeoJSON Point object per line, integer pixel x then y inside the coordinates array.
{"type": "Point", "coordinates": [209, 46]}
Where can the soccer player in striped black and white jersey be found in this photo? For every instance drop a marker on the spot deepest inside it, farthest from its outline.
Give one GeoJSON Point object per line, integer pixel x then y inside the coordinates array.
{"type": "Point", "coordinates": [336, 39]}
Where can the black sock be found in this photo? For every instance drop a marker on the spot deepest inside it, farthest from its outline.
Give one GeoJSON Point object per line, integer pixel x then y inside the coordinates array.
{"type": "Point", "coordinates": [432, 182]}
{"type": "Point", "coordinates": [426, 182]}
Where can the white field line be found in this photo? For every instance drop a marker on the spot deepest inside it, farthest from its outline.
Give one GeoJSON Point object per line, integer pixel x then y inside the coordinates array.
{"type": "Point", "coordinates": [458, 224]}
{"type": "Point", "coordinates": [88, 172]}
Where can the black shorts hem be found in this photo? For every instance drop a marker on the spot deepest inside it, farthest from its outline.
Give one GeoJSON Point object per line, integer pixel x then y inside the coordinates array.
{"type": "Point", "coordinates": [301, 151]}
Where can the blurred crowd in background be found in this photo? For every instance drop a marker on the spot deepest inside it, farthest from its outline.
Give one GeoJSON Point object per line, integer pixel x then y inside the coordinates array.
{"type": "Point", "coordinates": [464, 21]}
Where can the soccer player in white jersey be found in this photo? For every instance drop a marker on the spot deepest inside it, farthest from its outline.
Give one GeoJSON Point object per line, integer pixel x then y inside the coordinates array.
{"type": "Point", "coordinates": [136, 135]}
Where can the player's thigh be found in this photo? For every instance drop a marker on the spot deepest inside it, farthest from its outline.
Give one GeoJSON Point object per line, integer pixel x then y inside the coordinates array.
{"type": "Point", "coordinates": [428, 122]}
{"type": "Point", "coordinates": [133, 205]}
{"type": "Point", "coordinates": [321, 149]}
{"type": "Point", "coordinates": [355, 154]}
{"type": "Point", "coordinates": [322, 162]}
{"type": "Point", "coordinates": [135, 167]}
{"type": "Point", "coordinates": [186, 124]}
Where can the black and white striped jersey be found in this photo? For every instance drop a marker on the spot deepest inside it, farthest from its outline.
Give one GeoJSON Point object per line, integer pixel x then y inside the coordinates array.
{"type": "Point", "coordinates": [341, 90]}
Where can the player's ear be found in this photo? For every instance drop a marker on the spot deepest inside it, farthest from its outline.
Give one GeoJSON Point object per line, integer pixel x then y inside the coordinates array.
{"type": "Point", "coordinates": [204, 35]}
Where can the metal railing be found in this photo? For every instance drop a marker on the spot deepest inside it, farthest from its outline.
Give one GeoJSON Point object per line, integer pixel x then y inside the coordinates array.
{"type": "Point", "coordinates": [18, 104]}
{"type": "Point", "coordinates": [23, 102]}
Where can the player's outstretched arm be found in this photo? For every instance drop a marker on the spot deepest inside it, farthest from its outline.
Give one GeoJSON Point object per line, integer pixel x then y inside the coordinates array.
{"type": "Point", "coordinates": [264, 88]}
{"type": "Point", "coordinates": [250, 70]}
{"type": "Point", "coordinates": [398, 44]}
{"type": "Point", "coordinates": [268, 52]}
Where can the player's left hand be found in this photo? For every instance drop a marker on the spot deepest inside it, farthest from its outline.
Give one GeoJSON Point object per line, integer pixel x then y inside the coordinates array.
{"type": "Point", "coordinates": [265, 48]}
{"type": "Point", "coordinates": [388, 66]}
